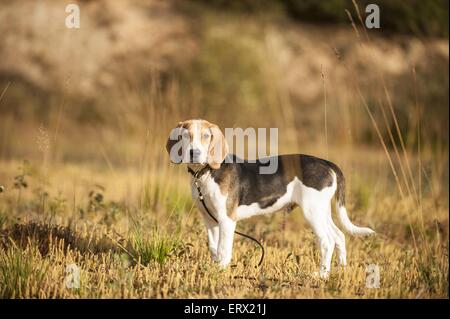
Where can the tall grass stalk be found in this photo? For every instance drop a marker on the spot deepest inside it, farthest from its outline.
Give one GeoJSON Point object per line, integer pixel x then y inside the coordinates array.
{"type": "Point", "coordinates": [325, 109]}
{"type": "Point", "coordinates": [417, 195]}
{"type": "Point", "coordinates": [375, 124]}
{"type": "Point", "coordinates": [389, 102]}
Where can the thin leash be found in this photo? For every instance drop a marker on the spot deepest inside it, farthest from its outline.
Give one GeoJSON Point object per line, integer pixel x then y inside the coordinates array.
{"type": "Point", "coordinates": [200, 196]}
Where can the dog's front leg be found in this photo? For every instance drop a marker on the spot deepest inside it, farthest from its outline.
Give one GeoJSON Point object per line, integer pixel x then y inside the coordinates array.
{"type": "Point", "coordinates": [212, 229]}
{"type": "Point", "coordinates": [226, 235]}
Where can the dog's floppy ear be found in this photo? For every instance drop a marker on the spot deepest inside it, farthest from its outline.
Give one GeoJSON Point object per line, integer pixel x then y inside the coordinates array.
{"type": "Point", "coordinates": [218, 147]}
{"type": "Point", "coordinates": [174, 137]}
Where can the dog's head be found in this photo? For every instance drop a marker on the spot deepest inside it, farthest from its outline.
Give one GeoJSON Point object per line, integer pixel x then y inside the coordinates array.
{"type": "Point", "coordinates": [197, 142]}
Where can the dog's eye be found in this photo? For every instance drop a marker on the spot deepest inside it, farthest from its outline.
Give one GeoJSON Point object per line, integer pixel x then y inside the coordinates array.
{"type": "Point", "coordinates": [206, 135]}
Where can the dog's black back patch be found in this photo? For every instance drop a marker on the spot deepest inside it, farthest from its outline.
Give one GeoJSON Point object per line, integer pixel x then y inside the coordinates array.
{"type": "Point", "coordinates": [315, 172]}
{"type": "Point", "coordinates": [251, 186]}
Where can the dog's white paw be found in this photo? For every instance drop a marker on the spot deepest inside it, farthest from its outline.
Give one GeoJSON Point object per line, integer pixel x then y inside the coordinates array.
{"type": "Point", "coordinates": [323, 274]}
{"type": "Point", "coordinates": [222, 262]}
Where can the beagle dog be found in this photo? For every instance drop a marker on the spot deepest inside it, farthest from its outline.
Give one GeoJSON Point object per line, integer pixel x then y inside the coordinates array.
{"type": "Point", "coordinates": [234, 190]}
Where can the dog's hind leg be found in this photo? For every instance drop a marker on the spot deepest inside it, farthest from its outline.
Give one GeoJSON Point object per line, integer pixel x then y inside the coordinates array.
{"type": "Point", "coordinates": [317, 219]}
{"type": "Point", "coordinates": [339, 239]}
{"type": "Point", "coordinates": [315, 208]}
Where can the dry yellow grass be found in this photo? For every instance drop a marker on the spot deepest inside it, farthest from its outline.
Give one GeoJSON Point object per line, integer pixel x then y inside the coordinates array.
{"type": "Point", "coordinates": [104, 229]}
{"type": "Point", "coordinates": [97, 189]}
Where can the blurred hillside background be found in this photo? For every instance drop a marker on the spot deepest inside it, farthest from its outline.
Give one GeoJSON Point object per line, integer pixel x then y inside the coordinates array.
{"type": "Point", "coordinates": [135, 68]}
{"type": "Point", "coordinates": [85, 114]}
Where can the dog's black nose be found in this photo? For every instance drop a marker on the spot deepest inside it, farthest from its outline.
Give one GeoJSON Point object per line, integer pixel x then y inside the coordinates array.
{"type": "Point", "coordinates": [194, 153]}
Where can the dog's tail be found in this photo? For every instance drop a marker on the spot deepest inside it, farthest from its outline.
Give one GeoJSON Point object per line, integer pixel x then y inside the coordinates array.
{"type": "Point", "coordinates": [340, 205]}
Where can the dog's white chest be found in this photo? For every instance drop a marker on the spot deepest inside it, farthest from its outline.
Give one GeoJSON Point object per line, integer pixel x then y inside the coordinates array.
{"type": "Point", "coordinates": [212, 196]}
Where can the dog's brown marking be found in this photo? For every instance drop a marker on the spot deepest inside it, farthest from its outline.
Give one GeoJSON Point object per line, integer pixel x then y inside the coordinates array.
{"type": "Point", "coordinates": [291, 168]}
{"type": "Point", "coordinates": [217, 143]}
{"type": "Point", "coordinates": [231, 210]}
{"type": "Point", "coordinates": [181, 125]}
{"type": "Point", "coordinates": [228, 187]}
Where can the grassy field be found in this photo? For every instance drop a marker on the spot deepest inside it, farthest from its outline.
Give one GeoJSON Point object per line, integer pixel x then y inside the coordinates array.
{"type": "Point", "coordinates": [135, 233]}
{"type": "Point", "coordinates": [85, 182]}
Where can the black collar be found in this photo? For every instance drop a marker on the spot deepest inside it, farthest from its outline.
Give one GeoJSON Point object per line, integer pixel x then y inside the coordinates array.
{"type": "Point", "coordinates": [200, 172]}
